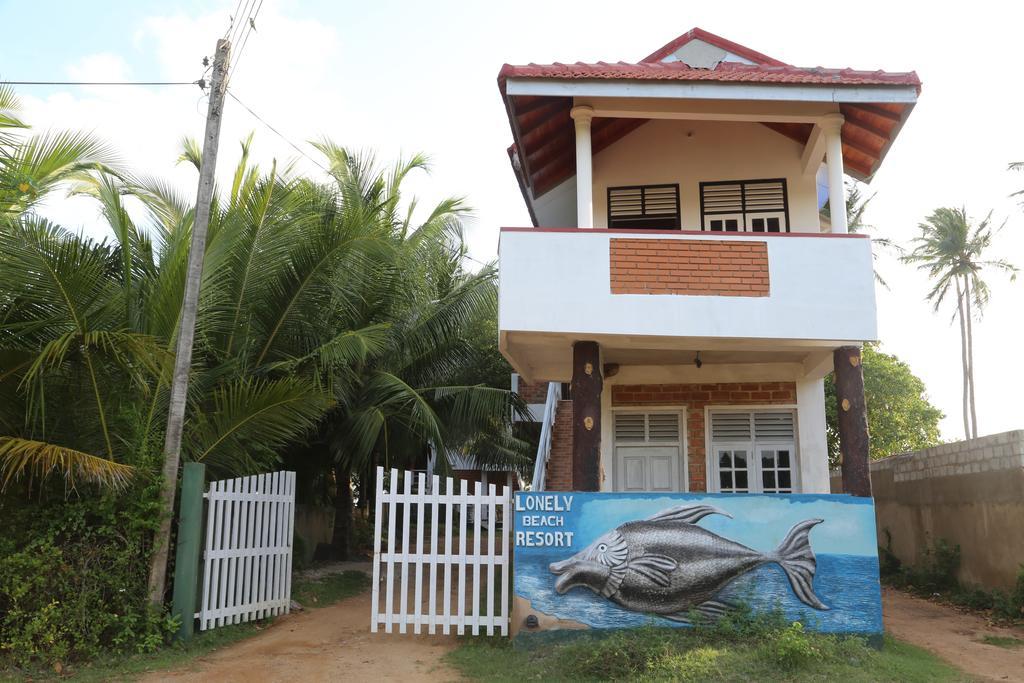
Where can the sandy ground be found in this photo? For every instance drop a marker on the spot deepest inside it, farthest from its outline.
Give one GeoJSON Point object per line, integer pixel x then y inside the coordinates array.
{"type": "Point", "coordinates": [327, 644]}
{"type": "Point", "coordinates": [334, 643]}
{"type": "Point", "coordinates": [954, 636]}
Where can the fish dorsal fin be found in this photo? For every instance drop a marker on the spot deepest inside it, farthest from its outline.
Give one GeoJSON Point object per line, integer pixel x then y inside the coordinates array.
{"type": "Point", "coordinates": [690, 514]}
{"type": "Point", "coordinates": [656, 568]}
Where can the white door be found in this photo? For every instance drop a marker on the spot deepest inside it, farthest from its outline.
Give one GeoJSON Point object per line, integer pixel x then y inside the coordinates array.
{"type": "Point", "coordinates": [648, 451]}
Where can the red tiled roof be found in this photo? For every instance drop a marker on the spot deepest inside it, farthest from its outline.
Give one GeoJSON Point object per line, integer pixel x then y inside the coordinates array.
{"type": "Point", "coordinates": [727, 72]}
{"type": "Point", "coordinates": [543, 153]}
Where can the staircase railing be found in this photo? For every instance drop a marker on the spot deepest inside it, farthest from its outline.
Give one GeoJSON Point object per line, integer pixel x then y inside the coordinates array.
{"type": "Point", "coordinates": [544, 445]}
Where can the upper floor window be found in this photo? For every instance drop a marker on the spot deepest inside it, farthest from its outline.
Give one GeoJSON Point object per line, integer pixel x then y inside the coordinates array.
{"type": "Point", "coordinates": [644, 206]}
{"type": "Point", "coordinates": [744, 206]}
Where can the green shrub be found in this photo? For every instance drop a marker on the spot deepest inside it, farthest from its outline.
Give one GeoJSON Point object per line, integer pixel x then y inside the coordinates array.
{"type": "Point", "coordinates": [791, 648]}
{"type": "Point", "coordinates": [622, 655]}
{"type": "Point", "coordinates": [362, 536]}
{"type": "Point", "coordinates": [888, 564]}
{"type": "Point", "coordinates": [937, 574]}
{"type": "Point", "coordinates": [698, 664]}
{"type": "Point", "coordinates": [974, 597]}
{"type": "Point", "coordinates": [937, 570]}
{"type": "Point", "coordinates": [73, 577]}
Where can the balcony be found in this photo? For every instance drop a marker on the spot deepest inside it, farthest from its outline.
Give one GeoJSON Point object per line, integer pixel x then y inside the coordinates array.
{"type": "Point", "coordinates": [749, 297]}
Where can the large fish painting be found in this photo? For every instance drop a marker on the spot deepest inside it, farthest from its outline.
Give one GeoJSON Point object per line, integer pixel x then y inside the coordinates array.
{"type": "Point", "coordinates": [669, 566]}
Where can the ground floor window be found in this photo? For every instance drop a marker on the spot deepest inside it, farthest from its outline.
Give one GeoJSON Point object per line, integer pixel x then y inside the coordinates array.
{"type": "Point", "coordinates": [753, 451]}
{"type": "Point", "coordinates": [649, 449]}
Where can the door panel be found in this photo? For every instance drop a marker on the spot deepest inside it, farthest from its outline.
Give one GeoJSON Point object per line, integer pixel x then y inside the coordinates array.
{"type": "Point", "coordinates": [633, 472]}
{"type": "Point", "coordinates": [662, 471]}
{"type": "Point", "coordinates": [647, 468]}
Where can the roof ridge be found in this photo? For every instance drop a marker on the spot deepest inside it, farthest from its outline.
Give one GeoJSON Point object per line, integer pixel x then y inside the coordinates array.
{"type": "Point", "coordinates": [697, 33]}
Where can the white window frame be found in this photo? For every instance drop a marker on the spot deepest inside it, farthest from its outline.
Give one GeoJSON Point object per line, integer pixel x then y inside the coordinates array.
{"type": "Point", "coordinates": [683, 444]}
{"type": "Point", "coordinates": [754, 481]}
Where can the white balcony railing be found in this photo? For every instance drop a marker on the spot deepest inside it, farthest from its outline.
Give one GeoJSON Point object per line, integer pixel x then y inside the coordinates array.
{"type": "Point", "coordinates": [820, 288]}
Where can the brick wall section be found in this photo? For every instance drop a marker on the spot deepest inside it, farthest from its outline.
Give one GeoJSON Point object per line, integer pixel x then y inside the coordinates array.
{"type": "Point", "coordinates": [537, 392]}
{"type": "Point", "coordinates": [726, 267]}
{"type": "Point", "coordinates": [696, 397]}
{"type": "Point", "coordinates": [558, 473]}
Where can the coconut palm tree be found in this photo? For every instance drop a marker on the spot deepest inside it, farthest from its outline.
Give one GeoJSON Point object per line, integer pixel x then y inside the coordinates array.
{"type": "Point", "coordinates": [410, 395]}
{"type": "Point", "coordinates": [54, 289]}
{"type": "Point", "coordinates": [954, 254]}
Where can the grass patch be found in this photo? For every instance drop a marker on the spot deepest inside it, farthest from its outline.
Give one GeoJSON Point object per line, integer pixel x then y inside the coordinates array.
{"type": "Point", "coordinates": [1007, 642]}
{"type": "Point", "coordinates": [329, 589]}
{"type": "Point", "coordinates": [786, 653]}
{"type": "Point", "coordinates": [172, 656]}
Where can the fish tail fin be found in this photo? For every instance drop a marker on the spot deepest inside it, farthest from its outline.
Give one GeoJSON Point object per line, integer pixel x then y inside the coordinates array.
{"type": "Point", "coordinates": [796, 558]}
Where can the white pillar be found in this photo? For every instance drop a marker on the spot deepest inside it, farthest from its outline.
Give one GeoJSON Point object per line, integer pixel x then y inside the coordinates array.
{"type": "Point", "coordinates": [831, 126]}
{"type": "Point", "coordinates": [813, 447]}
{"type": "Point", "coordinates": [582, 116]}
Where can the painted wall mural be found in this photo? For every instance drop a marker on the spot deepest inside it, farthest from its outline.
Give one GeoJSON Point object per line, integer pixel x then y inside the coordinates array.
{"type": "Point", "coordinates": [614, 560]}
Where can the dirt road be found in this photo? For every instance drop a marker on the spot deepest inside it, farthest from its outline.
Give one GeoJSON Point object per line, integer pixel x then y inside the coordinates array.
{"type": "Point", "coordinates": [327, 644]}
{"type": "Point", "coordinates": [334, 643]}
{"type": "Point", "coordinates": [954, 636]}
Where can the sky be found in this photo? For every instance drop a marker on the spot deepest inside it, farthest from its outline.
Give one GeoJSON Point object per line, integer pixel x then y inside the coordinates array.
{"type": "Point", "coordinates": [400, 78]}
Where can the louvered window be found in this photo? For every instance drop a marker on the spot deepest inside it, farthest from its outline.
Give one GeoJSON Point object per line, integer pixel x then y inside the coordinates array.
{"type": "Point", "coordinates": [647, 427]}
{"type": "Point", "coordinates": [753, 451]}
{"type": "Point", "coordinates": [744, 206]}
{"type": "Point", "coordinates": [644, 206]}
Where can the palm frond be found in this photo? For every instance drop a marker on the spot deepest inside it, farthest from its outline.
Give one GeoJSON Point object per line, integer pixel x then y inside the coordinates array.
{"type": "Point", "coordinates": [250, 416]}
{"type": "Point", "coordinates": [191, 153]}
{"type": "Point", "coordinates": [37, 459]}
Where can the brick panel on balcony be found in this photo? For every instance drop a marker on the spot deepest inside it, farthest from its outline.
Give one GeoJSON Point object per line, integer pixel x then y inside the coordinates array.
{"type": "Point", "coordinates": [690, 267]}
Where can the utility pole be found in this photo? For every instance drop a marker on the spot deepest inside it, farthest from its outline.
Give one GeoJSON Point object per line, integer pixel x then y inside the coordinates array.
{"type": "Point", "coordinates": [187, 322]}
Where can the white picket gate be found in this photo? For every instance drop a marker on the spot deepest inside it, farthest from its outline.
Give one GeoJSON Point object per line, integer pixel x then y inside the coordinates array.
{"type": "Point", "coordinates": [247, 562]}
{"type": "Point", "coordinates": [439, 571]}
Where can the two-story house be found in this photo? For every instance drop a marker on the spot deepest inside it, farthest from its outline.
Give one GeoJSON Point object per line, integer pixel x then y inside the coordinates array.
{"type": "Point", "coordinates": [680, 273]}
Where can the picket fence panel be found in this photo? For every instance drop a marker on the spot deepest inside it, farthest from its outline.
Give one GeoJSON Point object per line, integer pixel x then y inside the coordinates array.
{"type": "Point", "coordinates": [247, 558]}
{"type": "Point", "coordinates": [444, 569]}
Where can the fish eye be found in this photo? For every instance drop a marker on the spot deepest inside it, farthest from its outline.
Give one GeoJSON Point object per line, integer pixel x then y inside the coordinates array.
{"type": "Point", "coordinates": [602, 547]}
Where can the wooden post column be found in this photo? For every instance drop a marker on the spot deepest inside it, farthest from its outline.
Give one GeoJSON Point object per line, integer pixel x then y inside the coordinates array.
{"type": "Point", "coordinates": [586, 416]}
{"type": "Point", "coordinates": [853, 421]}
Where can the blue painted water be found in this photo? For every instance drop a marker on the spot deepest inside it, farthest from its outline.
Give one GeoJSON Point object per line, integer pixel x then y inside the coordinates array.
{"type": "Point", "coordinates": [848, 584]}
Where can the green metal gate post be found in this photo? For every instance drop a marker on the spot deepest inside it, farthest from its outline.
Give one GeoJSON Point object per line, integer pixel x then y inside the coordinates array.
{"type": "Point", "coordinates": [186, 559]}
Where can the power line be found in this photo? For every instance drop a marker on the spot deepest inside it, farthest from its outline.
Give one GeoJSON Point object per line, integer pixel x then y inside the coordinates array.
{"type": "Point", "coordinates": [247, 29]}
{"type": "Point", "coordinates": [277, 132]}
{"type": "Point", "coordinates": [99, 82]}
{"type": "Point", "coordinates": [231, 17]}
{"type": "Point", "coordinates": [238, 20]}
{"type": "Point", "coordinates": [478, 261]}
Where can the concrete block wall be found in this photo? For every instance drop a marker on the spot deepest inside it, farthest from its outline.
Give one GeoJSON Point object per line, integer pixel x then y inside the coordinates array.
{"type": "Point", "coordinates": [969, 493]}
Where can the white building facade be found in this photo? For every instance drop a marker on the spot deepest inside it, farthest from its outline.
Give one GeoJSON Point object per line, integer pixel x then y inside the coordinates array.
{"type": "Point", "coordinates": [681, 275]}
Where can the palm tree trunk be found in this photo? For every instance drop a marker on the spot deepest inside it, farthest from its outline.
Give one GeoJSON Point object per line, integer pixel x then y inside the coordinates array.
{"type": "Point", "coordinates": [963, 356]}
{"type": "Point", "coordinates": [341, 540]}
{"type": "Point", "coordinates": [970, 356]}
